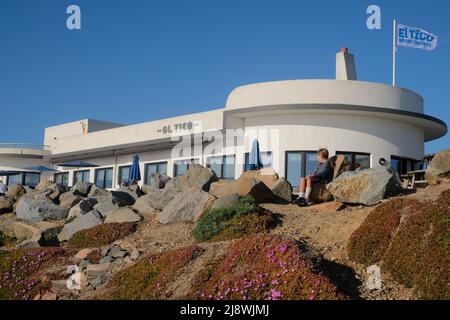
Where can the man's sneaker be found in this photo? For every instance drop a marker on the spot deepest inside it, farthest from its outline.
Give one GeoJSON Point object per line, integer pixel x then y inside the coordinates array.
{"type": "Point", "coordinates": [301, 202]}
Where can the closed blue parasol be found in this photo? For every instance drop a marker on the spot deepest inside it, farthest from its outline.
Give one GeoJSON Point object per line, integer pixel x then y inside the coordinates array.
{"type": "Point", "coordinates": [135, 172]}
{"type": "Point", "coordinates": [41, 169]}
{"type": "Point", "coordinates": [254, 158]}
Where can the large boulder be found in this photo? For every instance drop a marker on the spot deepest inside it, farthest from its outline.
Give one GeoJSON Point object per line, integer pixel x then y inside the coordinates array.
{"type": "Point", "coordinates": [83, 222]}
{"type": "Point", "coordinates": [16, 191]}
{"type": "Point", "coordinates": [226, 202]}
{"type": "Point", "coordinates": [158, 199]}
{"type": "Point", "coordinates": [439, 168]}
{"type": "Point", "coordinates": [32, 234]}
{"type": "Point", "coordinates": [40, 209]}
{"type": "Point", "coordinates": [196, 177]}
{"type": "Point", "coordinates": [69, 199]}
{"type": "Point", "coordinates": [282, 189]}
{"type": "Point", "coordinates": [82, 188]}
{"type": "Point", "coordinates": [44, 184]}
{"type": "Point", "coordinates": [105, 208]}
{"type": "Point", "coordinates": [187, 206]}
{"type": "Point", "coordinates": [266, 175]}
{"type": "Point", "coordinates": [123, 215]}
{"type": "Point", "coordinates": [245, 185]}
{"type": "Point", "coordinates": [158, 181]}
{"type": "Point", "coordinates": [130, 194]}
{"type": "Point", "coordinates": [119, 198]}
{"type": "Point", "coordinates": [81, 208]}
{"type": "Point", "coordinates": [367, 187]}
{"type": "Point", "coordinates": [6, 204]}
{"type": "Point", "coordinates": [144, 205]}
{"type": "Point", "coordinates": [320, 193]}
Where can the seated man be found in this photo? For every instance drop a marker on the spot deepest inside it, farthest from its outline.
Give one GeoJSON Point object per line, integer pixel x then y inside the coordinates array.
{"type": "Point", "coordinates": [323, 174]}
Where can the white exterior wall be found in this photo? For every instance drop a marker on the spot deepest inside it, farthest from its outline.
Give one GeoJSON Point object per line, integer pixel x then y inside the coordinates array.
{"type": "Point", "coordinates": [382, 138]}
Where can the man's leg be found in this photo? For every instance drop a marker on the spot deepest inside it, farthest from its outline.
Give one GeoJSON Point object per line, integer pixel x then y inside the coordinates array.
{"type": "Point", "coordinates": [302, 188]}
{"type": "Point", "coordinates": [308, 188]}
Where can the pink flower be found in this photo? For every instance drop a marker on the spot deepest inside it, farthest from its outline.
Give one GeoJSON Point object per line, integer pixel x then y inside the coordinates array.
{"type": "Point", "coordinates": [275, 295]}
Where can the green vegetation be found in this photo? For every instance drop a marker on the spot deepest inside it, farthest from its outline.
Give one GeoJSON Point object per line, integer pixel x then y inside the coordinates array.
{"type": "Point", "coordinates": [148, 279]}
{"type": "Point", "coordinates": [262, 267]}
{"type": "Point", "coordinates": [234, 222]}
{"type": "Point", "coordinates": [6, 240]}
{"type": "Point", "coordinates": [101, 235]}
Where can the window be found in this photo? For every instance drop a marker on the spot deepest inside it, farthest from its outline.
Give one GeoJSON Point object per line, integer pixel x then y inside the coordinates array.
{"type": "Point", "coordinates": [62, 179]}
{"type": "Point", "coordinates": [266, 159]}
{"type": "Point", "coordinates": [181, 166]}
{"type": "Point", "coordinates": [404, 165]}
{"type": "Point", "coordinates": [223, 166]}
{"type": "Point", "coordinates": [81, 176]}
{"type": "Point", "coordinates": [30, 179]}
{"type": "Point", "coordinates": [124, 174]}
{"type": "Point", "coordinates": [103, 178]}
{"type": "Point", "coordinates": [300, 164]}
{"type": "Point", "coordinates": [151, 168]}
{"type": "Point", "coordinates": [357, 160]}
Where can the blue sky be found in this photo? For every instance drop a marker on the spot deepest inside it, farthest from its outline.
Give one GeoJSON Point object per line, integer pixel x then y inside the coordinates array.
{"type": "Point", "coordinates": [135, 61]}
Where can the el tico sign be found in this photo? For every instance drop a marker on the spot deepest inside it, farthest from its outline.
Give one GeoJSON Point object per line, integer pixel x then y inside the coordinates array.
{"type": "Point", "coordinates": [177, 127]}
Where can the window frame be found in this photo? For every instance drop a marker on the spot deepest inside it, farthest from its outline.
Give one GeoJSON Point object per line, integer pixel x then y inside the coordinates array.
{"type": "Point", "coordinates": [222, 165]}
{"type": "Point", "coordinates": [192, 161]}
{"type": "Point", "coordinates": [104, 178]}
{"type": "Point", "coordinates": [61, 174]}
{"type": "Point", "coordinates": [119, 176]}
{"type": "Point", "coordinates": [74, 177]}
{"type": "Point", "coordinates": [353, 159]}
{"type": "Point", "coordinates": [146, 166]}
{"type": "Point", "coordinates": [22, 175]}
{"type": "Point", "coordinates": [247, 156]}
{"type": "Point", "coordinates": [303, 163]}
{"type": "Point", "coordinates": [402, 159]}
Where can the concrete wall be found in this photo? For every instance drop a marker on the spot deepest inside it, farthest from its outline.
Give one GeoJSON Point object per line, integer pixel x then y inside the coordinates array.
{"type": "Point", "coordinates": [324, 92]}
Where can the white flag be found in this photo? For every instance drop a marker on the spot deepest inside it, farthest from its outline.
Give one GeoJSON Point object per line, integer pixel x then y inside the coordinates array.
{"type": "Point", "coordinates": [415, 38]}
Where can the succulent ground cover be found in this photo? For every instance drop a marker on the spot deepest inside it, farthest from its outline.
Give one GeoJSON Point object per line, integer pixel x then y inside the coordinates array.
{"type": "Point", "coordinates": [234, 222]}
{"type": "Point", "coordinates": [101, 235]}
{"type": "Point", "coordinates": [149, 278]}
{"type": "Point", "coordinates": [20, 271]}
{"type": "Point", "coordinates": [263, 267]}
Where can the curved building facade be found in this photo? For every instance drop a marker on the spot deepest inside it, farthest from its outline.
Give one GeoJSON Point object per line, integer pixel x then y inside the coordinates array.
{"type": "Point", "coordinates": [291, 119]}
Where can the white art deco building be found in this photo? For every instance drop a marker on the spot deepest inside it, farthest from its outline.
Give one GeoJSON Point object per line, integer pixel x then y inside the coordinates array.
{"type": "Point", "coordinates": [365, 121]}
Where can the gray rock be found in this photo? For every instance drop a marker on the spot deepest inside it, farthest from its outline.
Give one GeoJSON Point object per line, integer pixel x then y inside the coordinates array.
{"type": "Point", "coordinates": [124, 198]}
{"type": "Point", "coordinates": [117, 253]}
{"type": "Point", "coordinates": [87, 221]}
{"type": "Point", "coordinates": [96, 270]}
{"type": "Point", "coordinates": [123, 215]}
{"type": "Point", "coordinates": [196, 177]}
{"type": "Point", "coordinates": [69, 199]}
{"type": "Point", "coordinates": [367, 187]}
{"type": "Point", "coordinates": [439, 168]}
{"type": "Point", "coordinates": [106, 208]}
{"type": "Point", "coordinates": [106, 259]}
{"type": "Point", "coordinates": [16, 191]}
{"type": "Point", "coordinates": [158, 199]}
{"type": "Point", "coordinates": [226, 201]}
{"type": "Point", "coordinates": [32, 234]}
{"type": "Point", "coordinates": [40, 209]}
{"type": "Point", "coordinates": [282, 189]}
{"type": "Point", "coordinates": [159, 181]}
{"type": "Point", "coordinates": [144, 205]}
{"type": "Point", "coordinates": [82, 188]}
{"type": "Point", "coordinates": [83, 264]}
{"type": "Point", "coordinates": [83, 207]}
{"type": "Point", "coordinates": [187, 206]}
{"type": "Point", "coordinates": [6, 204]}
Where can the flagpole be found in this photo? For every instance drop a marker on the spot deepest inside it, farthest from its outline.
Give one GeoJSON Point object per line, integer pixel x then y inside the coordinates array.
{"type": "Point", "coordinates": [394, 54]}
